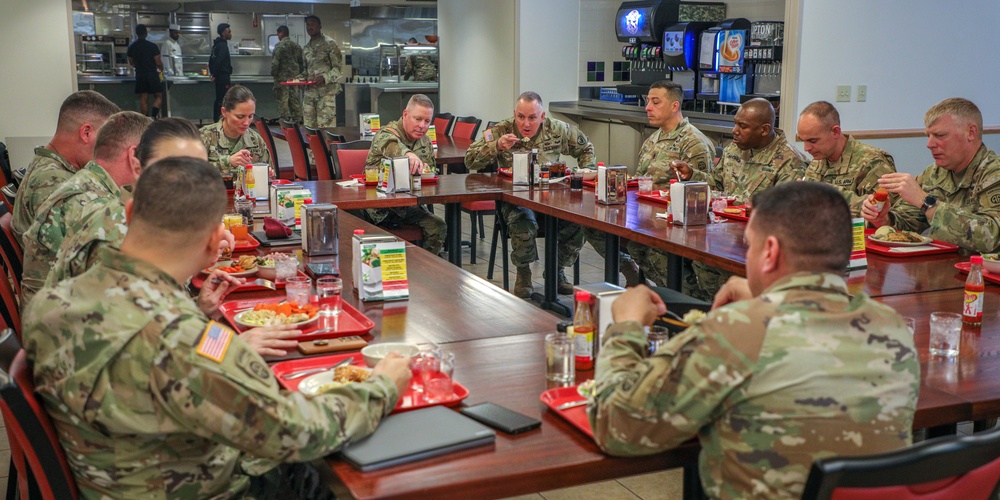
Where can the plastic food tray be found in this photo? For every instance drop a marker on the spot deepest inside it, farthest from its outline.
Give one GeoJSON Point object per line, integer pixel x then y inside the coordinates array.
{"type": "Point", "coordinates": [349, 322]}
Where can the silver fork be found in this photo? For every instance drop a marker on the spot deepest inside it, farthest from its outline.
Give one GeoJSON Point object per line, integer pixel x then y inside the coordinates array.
{"type": "Point", "coordinates": [262, 282]}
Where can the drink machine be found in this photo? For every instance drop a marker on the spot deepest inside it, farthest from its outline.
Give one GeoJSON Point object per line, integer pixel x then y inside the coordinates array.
{"type": "Point", "coordinates": [763, 57]}
{"type": "Point", "coordinates": [721, 63]}
{"type": "Point", "coordinates": [640, 25]}
{"type": "Point", "coordinates": [680, 53]}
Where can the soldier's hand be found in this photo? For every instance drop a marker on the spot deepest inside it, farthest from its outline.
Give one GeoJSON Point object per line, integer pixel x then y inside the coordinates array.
{"type": "Point", "coordinates": [227, 245]}
{"type": "Point", "coordinates": [638, 303]}
{"type": "Point", "coordinates": [506, 142]}
{"type": "Point", "coordinates": [735, 290]}
{"type": "Point", "coordinates": [319, 80]}
{"type": "Point", "coordinates": [273, 340]}
{"type": "Point", "coordinates": [217, 285]}
{"type": "Point", "coordinates": [396, 367]}
{"type": "Point", "coordinates": [241, 158]}
{"type": "Point", "coordinates": [877, 219]}
{"type": "Point", "coordinates": [416, 165]}
{"type": "Point", "coordinates": [681, 168]}
{"type": "Point", "coordinates": [905, 186]}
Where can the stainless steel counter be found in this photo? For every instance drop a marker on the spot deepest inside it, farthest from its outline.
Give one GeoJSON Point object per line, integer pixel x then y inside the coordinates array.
{"type": "Point", "coordinates": [180, 80]}
{"type": "Point", "coordinates": [635, 116]}
{"type": "Point", "coordinates": [385, 98]}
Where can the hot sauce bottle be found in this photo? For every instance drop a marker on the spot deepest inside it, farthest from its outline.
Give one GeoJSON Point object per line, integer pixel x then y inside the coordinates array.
{"type": "Point", "coordinates": [881, 194]}
{"type": "Point", "coordinates": [583, 331]}
{"type": "Point", "coordinates": [972, 309]}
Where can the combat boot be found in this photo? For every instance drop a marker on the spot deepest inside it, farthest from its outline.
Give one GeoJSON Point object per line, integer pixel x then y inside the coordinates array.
{"type": "Point", "coordinates": [522, 284]}
{"type": "Point", "coordinates": [565, 287]}
{"type": "Point", "coordinates": [631, 273]}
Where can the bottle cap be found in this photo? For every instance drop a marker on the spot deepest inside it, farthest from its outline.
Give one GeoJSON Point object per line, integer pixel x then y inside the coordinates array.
{"type": "Point", "coordinates": [976, 259]}
{"type": "Point", "coordinates": [673, 181]}
{"type": "Point", "coordinates": [359, 231]}
{"type": "Point", "coordinates": [582, 296]}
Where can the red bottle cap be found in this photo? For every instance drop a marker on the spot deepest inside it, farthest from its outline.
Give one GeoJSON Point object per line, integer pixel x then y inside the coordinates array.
{"type": "Point", "coordinates": [582, 296]}
{"type": "Point", "coordinates": [359, 231]}
{"type": "Point", "coordinates": [976, 259]}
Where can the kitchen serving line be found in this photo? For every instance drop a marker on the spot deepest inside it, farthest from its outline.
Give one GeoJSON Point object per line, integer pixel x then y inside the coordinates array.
{"type": "Point", "coordinates": [498, 341]}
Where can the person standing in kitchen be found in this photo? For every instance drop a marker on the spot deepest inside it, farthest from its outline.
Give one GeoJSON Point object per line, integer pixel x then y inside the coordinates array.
{"type": "Point", "coordinates": [144, 56]}
{"type": "Point", "coordinates": [286, 64]}
{"type": "Point", "coordinates": [323, 65]}
{"type": "Point", "coordinates": [172, 49]}
{"type": "Point", "coordinates": [220, 65]}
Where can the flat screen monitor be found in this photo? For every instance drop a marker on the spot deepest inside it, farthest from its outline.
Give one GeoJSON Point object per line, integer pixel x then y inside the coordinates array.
{"type": "Point", "coordinates": [634, 22]}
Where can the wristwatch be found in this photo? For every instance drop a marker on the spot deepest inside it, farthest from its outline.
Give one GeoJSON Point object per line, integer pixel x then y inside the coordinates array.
{"type": "Point", "coordinates": [929, 203]}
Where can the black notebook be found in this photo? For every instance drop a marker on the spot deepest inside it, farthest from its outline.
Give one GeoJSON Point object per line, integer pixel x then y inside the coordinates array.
{"type": "Point", "coordinates": [415, 435]}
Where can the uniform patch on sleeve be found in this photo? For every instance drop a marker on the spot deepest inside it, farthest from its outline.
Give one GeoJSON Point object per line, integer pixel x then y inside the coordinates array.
{"type": "Point", "coordinates": [215, 341]}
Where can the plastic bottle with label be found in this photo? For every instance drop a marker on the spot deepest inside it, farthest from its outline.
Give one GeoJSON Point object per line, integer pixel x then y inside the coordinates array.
{"type": "Point", "coordinates": [972, 308]}
{"type": "Point", "coordinates": [583, 331]}
{"type": "Point", "coordinates": [251, 183]}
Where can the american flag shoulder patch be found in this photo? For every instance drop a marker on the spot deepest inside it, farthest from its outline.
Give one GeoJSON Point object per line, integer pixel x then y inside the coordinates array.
{"type": "Point", "coordinates": [214, 341]}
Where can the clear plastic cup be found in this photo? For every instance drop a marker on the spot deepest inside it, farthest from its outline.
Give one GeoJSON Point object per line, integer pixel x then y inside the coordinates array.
{"type": "Point", "coordinates": [559, 363]}
{"type": "Point", "coordinates": [946, 334]}
{"type": "Point", "coordinates": [298, 289]}
{"type": "Point", "coordinates": [328, 293]}
{"type": "Point", "coordinates": [645, 184]}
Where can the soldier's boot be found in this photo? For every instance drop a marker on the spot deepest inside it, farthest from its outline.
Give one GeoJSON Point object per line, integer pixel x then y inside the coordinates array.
{"type": "Point", "coordinates": [631, 272]}
{"type": "Point", "coordinates": [565, 287]}
{"type": "Point", "coordinates": [522, 284]}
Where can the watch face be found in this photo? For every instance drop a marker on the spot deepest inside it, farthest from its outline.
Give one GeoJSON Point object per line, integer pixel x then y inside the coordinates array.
{"type": "Point", "coordinates": [930, 201]}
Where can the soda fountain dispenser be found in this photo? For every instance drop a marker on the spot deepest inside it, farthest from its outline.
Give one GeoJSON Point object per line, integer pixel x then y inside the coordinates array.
{"type": "Point", "coordinates": [763, 57]}
{"type": "Point", "coordinates": [680, 53]}
{"type": "Point", "coordinates": [640, 25]}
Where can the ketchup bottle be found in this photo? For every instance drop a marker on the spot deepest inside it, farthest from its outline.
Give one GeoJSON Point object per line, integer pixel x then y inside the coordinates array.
{"type": "Point", "coordinates": [881, 194]}
{"type": "Point", "coordinates": [583, 331]}
{"type": "Point", "coordinates": [972, 309]}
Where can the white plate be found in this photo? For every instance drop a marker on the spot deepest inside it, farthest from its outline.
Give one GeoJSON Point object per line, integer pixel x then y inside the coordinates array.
{"type": "Point", "coordinates": [925, 240]}
{"type": "Point", "coordinates": [321, 382]}
{"type": "Point", "coordinates": [239, 319]}
{"type": "Point", "coordinates": [227, 263]}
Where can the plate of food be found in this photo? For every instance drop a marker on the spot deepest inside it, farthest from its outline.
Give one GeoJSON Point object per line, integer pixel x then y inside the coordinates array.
{"type": "Point", "coordinates": [283, 313]}
{"type": "Point", "coordinates": [332, 379]}
{"type": "Point", "coordinates": [246, 265]}
{"type": "Point", "coordinates": [890, 237]}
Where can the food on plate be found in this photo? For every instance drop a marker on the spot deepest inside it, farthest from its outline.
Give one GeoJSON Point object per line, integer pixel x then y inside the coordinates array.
{"type": "Point", "coordinates": [887, 233]}
{"type": "Point", "coordinates": [247, 262]}
{"type": "Point", "coordinates": [735, 211]}
{"type": "Point", "coordinates": [326, 381]}
{"type": "Point", "coordinates": [351, 373]}
{"type": "Point", "coordinates": [228, 269]}
{"type": "Point", "coordinates": [586, 389]}
{"type": "Point", "coordinates": [284, 313]}
{"type": "Point", "coordinates": [269, 259]}
{"type": "Point", "coordinates": [693, 316]}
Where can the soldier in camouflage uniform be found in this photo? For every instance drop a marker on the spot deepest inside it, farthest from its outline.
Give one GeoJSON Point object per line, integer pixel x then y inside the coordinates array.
{"type": "Point", "coordinates": [530, 129]}
{"type": "Point", "coordinates": [759, 157]}
{"type": "Point", "coordinates": [72, 146]}
{"type": "Point", "coordinates": [323, 63]}
{"type": "Point", "coordinates": [286, 64]}
{"type": "Point", "coordinates": [186, 407]}
{"type": "Point", "coordinates": [420, 68]}
{"type": "Point", "coordinates": [675, 140]}
{"type": "Point", "coordinates": [232, 142]}
{"type": "Point", "coordinates": [407, 137]}
{"type": "Point", "coordinates": [839, 160]}
{"type": "Point", "coordinates": [787, 369]}
{"type": "Point", "coordinates": [957, 199]}
{"type": "Point", "coordinates": [114, 166]}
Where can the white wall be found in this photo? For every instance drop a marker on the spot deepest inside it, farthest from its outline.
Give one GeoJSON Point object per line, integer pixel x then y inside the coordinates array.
{"type": "Point", "coordinates": [36, 50]}
{"type": "Point", "coordinates": [549, 34]}
{"type": "Point", "coordinates": [910, 54]}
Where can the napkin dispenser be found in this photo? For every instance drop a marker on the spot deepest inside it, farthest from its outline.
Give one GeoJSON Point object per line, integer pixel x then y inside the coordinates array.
{"type": "Point", "coordinates": [612, 185]}
{"type": "Point", "coordinates": [394, 176]}
{"type": "Point", "coordinates": [319, 229]}
{"type": "Point", "coordinates": [262, 180]}
{"type": "Point", "coordinates": [689, 203]}
{"type": "Point", "coordinates": [521, 168]}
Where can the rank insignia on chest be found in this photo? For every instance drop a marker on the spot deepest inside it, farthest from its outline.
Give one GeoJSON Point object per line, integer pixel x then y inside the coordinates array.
{"type": "Point", "coordinates": [215, 341]}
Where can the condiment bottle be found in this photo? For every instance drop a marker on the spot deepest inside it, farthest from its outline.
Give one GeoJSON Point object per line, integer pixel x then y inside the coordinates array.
{"type": "Point", "coordinates": [583, 331]}
{"type": "Point", "coordinates": [881, 194]}
{"type": "Point", "coordinates": [251, 183]}
{"type": "Point", "coordinates": [972, 309]}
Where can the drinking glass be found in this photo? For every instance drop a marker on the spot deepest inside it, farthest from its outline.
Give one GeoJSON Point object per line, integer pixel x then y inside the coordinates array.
{"type": "Point", "coordinates": [437, 369]}
{"type": "Point", "coordinates": [244, 207]}
{"type": "Point", "coordinates": [946, 333]}
{"type": "Point", "coordinates": [240, 232]}
{"type": "Point", "coordinates": [328, 291]}
{"type": "Point", "coordinates": [656, 338]}
{"type": "Point", "coordinates": [576, 181]}
{"type": "Point", "coordinates": [298, 289]}
{"type": "Point", "coordinates": [230, 219]}
{"type": "Point", "coordinates": [559, 363]}
{"type": "Point", "coordinates": [645, 184]}
{"type": "Point", "coordinates": [286, 268]}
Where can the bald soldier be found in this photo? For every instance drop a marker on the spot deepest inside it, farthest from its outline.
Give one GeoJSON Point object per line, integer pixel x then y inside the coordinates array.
{"type": "Point", "coordinates": [114, 166]}
{"type": "Point", "coordinates": [759, 157]}
{"type": "Point", "coordinates": [185, 407]}
{"type": "Point", "coordinates": [72, 146]}
{"type": "Point", "coordinates": [957, 199]}
{"type": "Point", "coordinates": [323, 64]}
{"type": "Point", "coordinates": [839, 160]}
{"type": "Point", "coordinates": [786, 369]}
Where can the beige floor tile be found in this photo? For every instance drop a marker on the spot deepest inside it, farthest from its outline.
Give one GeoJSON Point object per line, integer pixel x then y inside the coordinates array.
{"type": "Point", "coordinates": [3, 484]}
{"type": "Point", "coordinates": [608, 490]}
{"type": "Point", "coordinates": [533, 496]}
{"type": "Point", "coordinates": [666, 485]}
{"type": "Point", "coordinates": [4, 443]}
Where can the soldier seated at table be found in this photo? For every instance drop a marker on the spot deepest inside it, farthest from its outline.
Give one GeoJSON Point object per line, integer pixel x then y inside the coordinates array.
{"type": "Point", "coordinates": [840, 160]}
{"type": "Point", "coordinates": [759, 157]}
{"type": "Point", "coordinates": [232, 141]}
{"type": "Point", "coordinates": [407, 137]}
{"type": "Point", "coordinates": [152, 399]}
{"type": "Point", "coordinates": [530, 129]}
{"type": "Point", "coordinates": [787, 368]}
{"type": "Point", "coordinates": [957, 199]}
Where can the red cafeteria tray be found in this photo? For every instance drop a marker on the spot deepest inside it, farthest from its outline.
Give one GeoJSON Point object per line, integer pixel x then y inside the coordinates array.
{"type": "Point", "coordinates": [988, 276]}
{"type": "Point", "coordinates": [249, 286]}
{"type": "Point", "coordinates": [576, 415]}
{"type": "Point", "coordinates": [631, 183]}
{"type": "Point", "coordinates": [432, 180]}
{"type": "Point", "coordinates": [349, 322]}
{"type": "Point", "coordinates": [740, 216]}
{"type": "Point", "coordinates": [505, 172]}
{"type": "Point", "coordinates": [654, 196]}
{"type": "Point", "coordinates": [298, 84]}
{"type": "Point", "coordinates": [361, 178]}
{"type": "Point", "coordinates": [933, 248]}
{"type": "Point", "coordinates": [246, 245]}
{"type": "Point", "coordinates": [408, 401]}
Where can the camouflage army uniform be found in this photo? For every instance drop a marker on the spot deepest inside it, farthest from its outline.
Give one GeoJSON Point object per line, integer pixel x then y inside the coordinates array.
{"type": "Point", "coordinates": [743, 174]}
{"type": "Point", "coordinates": [220, 147]}
{"type": "Point", "coordinates": [286, 64]}
{"type": "Point", "coordinates": [420, 69]}
{"type": "Point", "coordinates": [684, 143]}
{"type": "Point", "coordinates": [145, 407]}
{"type": "Point", "coordinates": [968, 209]}
{"type": "Point", "coordinates": [802, 372]}
{"type": "Point", "coordinates": [45, 173]}
{"type": "Point", "coordinates": [102, 224]}
{"type": "Point", "coordinates": [389, 142]}
{"type": "Point", "coordinates": [319, 102]}
{"type": "Point", "coordinates": [855, 174]}
{"type": "Point", "coordinates": [553, 138]}
{"type": "Point", "coordinates": [63, 209]}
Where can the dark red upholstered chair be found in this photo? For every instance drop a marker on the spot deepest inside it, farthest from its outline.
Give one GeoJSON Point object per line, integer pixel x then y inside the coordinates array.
{"type": "Point", "coordinates": [13, 257]}
{"type": "Point", "coordinates": [466, 127]}
{"type": "Point", "coordinates": [9, 193]}
{"type": "Point", "coordinates": [321, 153]}
{"type": "Point", "coordinates": [265, 133]}
{"type": "Point", "coordinates": [32, 432]}
{"type": "Point", "coordinates": [962, 467]}
{"type": "Point", "coordinates": [349, 158]}
{"type": "Point", "coordinates": [442, 123]}
{"type": "Point", "coordinates": [300, 161]}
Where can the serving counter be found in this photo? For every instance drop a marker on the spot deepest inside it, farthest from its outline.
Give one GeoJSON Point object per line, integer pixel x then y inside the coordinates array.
{"type": "Point", "coordinates": [385, 98]}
